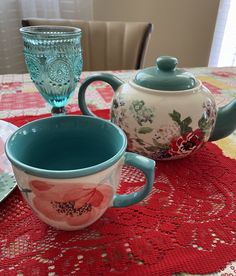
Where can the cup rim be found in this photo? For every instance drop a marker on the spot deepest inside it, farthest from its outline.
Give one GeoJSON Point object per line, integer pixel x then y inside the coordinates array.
{"type": "Point", "coordinates": [58, 31]}
{"type": "Point", "coordinates": [63, 174]}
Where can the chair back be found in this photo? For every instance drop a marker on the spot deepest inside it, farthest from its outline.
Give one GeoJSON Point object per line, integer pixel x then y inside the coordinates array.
{"type": "Point", "coordinates": [107, 45]}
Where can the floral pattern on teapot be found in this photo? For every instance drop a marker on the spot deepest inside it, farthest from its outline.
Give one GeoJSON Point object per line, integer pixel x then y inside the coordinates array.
{"type": "Point", "coordinates": [171, 140]}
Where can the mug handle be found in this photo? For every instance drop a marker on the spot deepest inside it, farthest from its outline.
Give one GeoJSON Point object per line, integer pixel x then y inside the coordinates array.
{"type": "Point", "coordinates": [106, 77]}
{"type": "Point", "coordinates": [147, 166]}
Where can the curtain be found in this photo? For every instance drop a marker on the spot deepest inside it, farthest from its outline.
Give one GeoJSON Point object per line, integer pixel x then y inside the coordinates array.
{"type": "Point", "coordinates": [68, 9]}
{"type": "Point", "coordinates": [11, 13]}
{"type": "Point", "coordinates": [35, 8]}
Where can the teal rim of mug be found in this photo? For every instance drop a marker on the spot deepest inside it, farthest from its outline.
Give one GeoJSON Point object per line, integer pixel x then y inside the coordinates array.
{"type": "Point", "coordinates": [65, 174]}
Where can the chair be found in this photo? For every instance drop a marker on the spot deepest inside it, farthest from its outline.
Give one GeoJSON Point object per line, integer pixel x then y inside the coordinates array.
{"type": "Point", "coordinates": [107, 45]}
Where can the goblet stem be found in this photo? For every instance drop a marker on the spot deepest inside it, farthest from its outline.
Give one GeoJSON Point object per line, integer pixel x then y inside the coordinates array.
{"type": "Point", "coordinates": [58, 111]}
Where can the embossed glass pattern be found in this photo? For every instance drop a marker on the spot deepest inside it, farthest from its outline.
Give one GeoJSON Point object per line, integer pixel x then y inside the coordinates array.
{"type": "Point", "coordinates": [54, 60]}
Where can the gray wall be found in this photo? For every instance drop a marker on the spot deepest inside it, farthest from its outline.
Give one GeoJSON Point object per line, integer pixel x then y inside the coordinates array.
{"type": "Point", "coordinates": [182, 28]}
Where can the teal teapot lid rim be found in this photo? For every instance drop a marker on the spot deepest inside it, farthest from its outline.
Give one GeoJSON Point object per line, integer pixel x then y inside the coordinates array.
{"type": "Point", "coordinates": [165, 76]}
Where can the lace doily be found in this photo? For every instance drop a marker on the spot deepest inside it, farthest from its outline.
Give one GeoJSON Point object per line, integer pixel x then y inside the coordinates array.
{"type": "Point", "coordinates": [186, 224]}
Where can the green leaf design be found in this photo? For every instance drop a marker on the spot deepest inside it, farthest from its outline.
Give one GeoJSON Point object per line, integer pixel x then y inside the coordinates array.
{"type": "Point", "coordinates": [185, 129]}
{"type": "Point", "coordinates": [152, 148]}
{"type": "Point", "coordinates": [145, 130]}
{"type": "Point", "coordinates": [184, 125]}
{"type": "Point", "coordinates": [175, 116]}
{"type": "Point", "coordinates": [26, 191]}
{"type": "Point", "coordinates": [203, 123]}
{"type": "Point", "coordinates": [113, 116]}
{"type": "Point", "coordinates": [187, 121]}
{"type": "Point", "coordinates": [140, 141]}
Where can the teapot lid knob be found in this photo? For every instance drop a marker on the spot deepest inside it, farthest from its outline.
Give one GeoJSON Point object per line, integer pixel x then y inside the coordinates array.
{"type": "Point", "coordinates": [166, 63]}
{"type": "Point", "coordinates": [165, 76]}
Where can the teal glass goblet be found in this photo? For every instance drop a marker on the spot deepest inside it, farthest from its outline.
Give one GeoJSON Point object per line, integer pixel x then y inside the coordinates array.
{"type": "Point", "coordinates": [53, 57]}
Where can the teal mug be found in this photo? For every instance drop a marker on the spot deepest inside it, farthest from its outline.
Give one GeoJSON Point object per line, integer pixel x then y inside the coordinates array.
{"type": "Point", "coordinates": [68, 168]}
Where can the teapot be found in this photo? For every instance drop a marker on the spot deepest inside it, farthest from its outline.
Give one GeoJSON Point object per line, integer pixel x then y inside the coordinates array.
{"type": "Point", "coordinates": [165, 111]}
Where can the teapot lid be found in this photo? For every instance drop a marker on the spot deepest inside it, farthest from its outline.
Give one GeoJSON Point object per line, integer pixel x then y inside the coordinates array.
{"type": "Point", "coordinates": [165, 76]}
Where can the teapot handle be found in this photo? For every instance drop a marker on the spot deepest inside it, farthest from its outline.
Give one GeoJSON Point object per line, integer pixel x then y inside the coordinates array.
{"type": "Point", "coordinates": [106, 77]}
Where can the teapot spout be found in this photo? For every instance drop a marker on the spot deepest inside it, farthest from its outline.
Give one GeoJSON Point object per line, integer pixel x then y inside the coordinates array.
{"type": "Point", "coordinates": [225, 121]}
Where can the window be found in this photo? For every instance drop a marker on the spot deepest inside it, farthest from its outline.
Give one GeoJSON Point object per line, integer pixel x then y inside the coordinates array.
{"type": "Point", "coordinates": [223, 52]}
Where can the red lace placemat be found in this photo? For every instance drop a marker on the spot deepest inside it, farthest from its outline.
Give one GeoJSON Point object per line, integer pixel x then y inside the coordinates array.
{"type": "Point", "coordinates": [21, 120]}
{"type": "Point", "coordinates": [186, 224]}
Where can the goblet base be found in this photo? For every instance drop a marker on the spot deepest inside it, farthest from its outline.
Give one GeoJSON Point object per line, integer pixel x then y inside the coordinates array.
{"type": "Point", "coordinates": [58, 111]}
